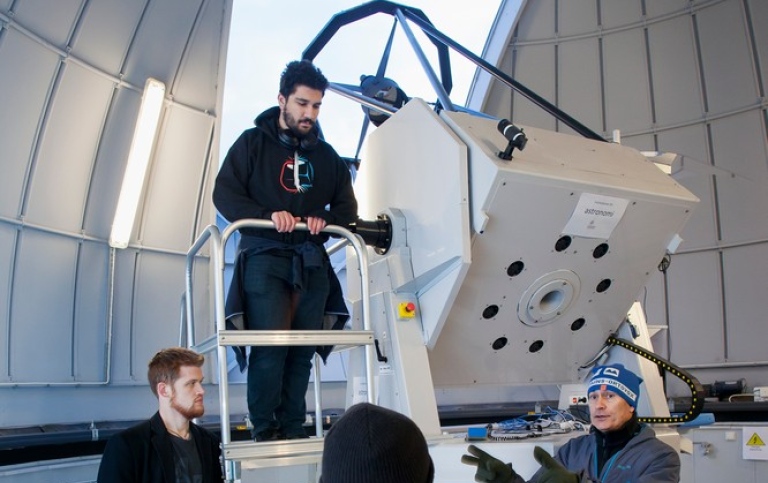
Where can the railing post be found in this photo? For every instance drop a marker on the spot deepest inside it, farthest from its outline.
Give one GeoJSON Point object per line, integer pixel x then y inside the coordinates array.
{"type": "Point", "coordinates": [223, 337]}
{"type": "Point", "coordinates": [362, 256]}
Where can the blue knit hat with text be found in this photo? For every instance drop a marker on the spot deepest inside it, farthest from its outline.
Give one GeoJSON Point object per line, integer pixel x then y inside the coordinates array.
{"type": "Point", "coordinates": [617, 379]}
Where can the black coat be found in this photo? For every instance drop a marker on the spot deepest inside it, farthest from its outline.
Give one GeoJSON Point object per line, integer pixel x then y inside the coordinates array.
{"type": "Point", "coordinates": [256, 179]}
{"type": "Point", "coordinates": [144, 454]}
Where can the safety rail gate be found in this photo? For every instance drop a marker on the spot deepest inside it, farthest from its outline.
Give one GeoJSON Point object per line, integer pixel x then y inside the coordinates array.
{"type": "Point", "coordinates": [277, 453]}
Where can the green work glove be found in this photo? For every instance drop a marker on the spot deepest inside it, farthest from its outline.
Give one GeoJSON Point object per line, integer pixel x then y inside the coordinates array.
{"type": "Point", "coordinates": [489, 469]}
{"type": "Point", "coordinates": [553, 472]}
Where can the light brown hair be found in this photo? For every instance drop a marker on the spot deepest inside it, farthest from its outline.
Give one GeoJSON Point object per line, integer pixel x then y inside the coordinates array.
{"type": "Point", "coordinates": [166, 364]}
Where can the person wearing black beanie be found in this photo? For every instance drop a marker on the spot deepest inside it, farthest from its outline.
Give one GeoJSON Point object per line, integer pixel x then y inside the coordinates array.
{"type": "Point", "coordinates": [373, 444]}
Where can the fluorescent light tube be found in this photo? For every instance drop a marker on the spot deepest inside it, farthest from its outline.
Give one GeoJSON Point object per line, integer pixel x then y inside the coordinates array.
{"type": "Point", "coordinates": [138, 160]}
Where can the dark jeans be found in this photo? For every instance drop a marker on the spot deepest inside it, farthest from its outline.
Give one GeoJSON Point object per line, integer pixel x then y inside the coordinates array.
{"type": "Point", "coordinates": [278, 376]}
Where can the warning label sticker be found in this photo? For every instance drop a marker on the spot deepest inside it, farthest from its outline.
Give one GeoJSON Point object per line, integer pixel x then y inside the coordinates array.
{"type": "Point", "coordinates": [755, 440]}
{"type": "Point", "coordinates": [754, 447]}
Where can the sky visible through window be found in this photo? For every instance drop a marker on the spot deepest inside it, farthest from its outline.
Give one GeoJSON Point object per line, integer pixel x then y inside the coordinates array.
{"type": "Point", "coordinates": [267, 34]}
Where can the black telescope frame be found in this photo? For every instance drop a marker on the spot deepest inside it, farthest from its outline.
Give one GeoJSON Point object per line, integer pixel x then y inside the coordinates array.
{"type": "Point", "coordinates": [442, 42]}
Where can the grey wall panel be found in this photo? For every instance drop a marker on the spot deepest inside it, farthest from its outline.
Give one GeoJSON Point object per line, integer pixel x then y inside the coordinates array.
{"type": "Point", "coordinates": [76, 470]}
{"type": "Point", "coordinates": [579, 84]}
{"type": "Point", "coordinates": [728, 68]}
{"type": "Point", "coordinates": [147, 314]}
{"type": "Point", "coordinates": [691, 141]}
{"type": "Point", "coordinates": [25, 79]}
{"type": "Point", "coordinates": [205, 324]}
{"type": "Point", "coordinates": [118, 403]}
{"type": "Point", "coordinates": [676, 81]}
{"type": "Point", "coordinates": [654, 300]}
{"type": "Point", "coordinates": [105, 33]}
{"type": "Point", "coordinates": [68, 149]}
{"type": "Point", "coordinates": [540, 24]}
{"type": "Point", "coordinates": [619, 14]}
{"type": "Point", "coordinates": [576, 17]}
{"type": "Point", "coordinates": [145, 59]}
{"type": "Point", "coordinates": [123, 329]}
{"type": "Point", "coordinates": [71, 79]}
{"type": "Point", "coordinates": [7, 248]}
{"type": "Point", "coordinates": [207, 214]}
{"type": "Point", "coordinates": [42, 309]}
{"type": "Point", "coordinates": [56, 24]}
{"type": "Point", "coordinates": [659, 8]}
{"type": "Point", "coordinates": [111, 159]}
{"type": "Point", "coordinates": [758, 10]}
{"type": "Point", "coordinates": [695, 315]}
{"type": "Point", "coordinates": [641, 142]}
{"type": "Point", "coordinates": [91, 316]}
{"type": "Point", "coordinates": [739, 141]}
{"type": "Point", "coordinates": [197, 80]}
{"type": "Point", "coordinates": [744, 268]}
{"type": "Point", "coordinates": [159, 286]}
{"type": "Point", "coordinates": [624, 64]}
{"type": "Point", "coordinates": [539, 20]}
{"type": "Point", "coordinates": [173, 187]}
{"type": "Point", "coordinates": [541, 75]}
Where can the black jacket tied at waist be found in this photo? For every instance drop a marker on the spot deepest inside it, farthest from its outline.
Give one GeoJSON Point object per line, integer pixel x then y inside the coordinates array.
{"type": "Point", "coordinates": [304, 256]}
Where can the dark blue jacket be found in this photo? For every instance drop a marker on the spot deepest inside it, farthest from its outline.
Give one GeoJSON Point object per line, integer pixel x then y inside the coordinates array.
{"type": "Point", "coordinates": [645, 459]}
{"type": "Point", "coordinates": [336, 313]}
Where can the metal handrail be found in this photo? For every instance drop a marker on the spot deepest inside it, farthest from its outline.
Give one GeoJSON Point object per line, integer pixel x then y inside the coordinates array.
{"type": "Point", "coordinates": [218, 341]}
{"type": "Point", "coordinates": [212, 232]}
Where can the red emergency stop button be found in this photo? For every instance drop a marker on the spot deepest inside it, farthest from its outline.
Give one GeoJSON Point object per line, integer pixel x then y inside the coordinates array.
{"type": "Point", "coordinates": [406, 310]}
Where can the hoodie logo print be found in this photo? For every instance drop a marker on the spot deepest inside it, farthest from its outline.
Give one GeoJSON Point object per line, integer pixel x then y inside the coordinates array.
{"type": "Point", "coordinates": [297, 174]}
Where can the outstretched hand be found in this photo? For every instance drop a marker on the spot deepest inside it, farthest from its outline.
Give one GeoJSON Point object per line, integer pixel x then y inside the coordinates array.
{"type": "Point", "coordinates": [553, 472]}
{"type": "Point", "coordinates": [489, 469]}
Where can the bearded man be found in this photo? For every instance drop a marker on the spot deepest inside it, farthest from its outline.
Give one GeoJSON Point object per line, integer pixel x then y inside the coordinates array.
{"type": "Point", "coordinates": [169, 447]}
{"type": "Point", "coordinates": [282, 170]}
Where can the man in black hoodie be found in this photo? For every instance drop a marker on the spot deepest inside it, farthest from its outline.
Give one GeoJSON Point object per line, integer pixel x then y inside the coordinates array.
{"type": "Point", "coordinates": [618, 449]}
{"type": "Point", "coordinates": [282, 171]}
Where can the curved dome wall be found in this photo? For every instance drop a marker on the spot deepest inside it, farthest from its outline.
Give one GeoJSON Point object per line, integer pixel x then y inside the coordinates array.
{"type": "Point", "coordinates": [681, 76]}
{"type": "Point", "coordinates": [75, 313]}
{"type": "Point", "coordinates": [80, 320]}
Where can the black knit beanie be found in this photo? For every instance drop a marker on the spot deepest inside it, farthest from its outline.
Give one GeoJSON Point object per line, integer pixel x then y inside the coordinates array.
{"type": "Point", "coordinates": [372, 444]}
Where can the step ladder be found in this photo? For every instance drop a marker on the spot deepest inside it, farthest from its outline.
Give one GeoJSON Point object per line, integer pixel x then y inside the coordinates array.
{"type": "Point", "coordinates": [277, 453]}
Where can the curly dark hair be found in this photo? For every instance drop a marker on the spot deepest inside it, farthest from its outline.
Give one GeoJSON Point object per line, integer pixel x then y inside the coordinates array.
{"type": "Point", "coordinates": [301, 73]}
{"type": "Point", "coordinates": [166, 364]}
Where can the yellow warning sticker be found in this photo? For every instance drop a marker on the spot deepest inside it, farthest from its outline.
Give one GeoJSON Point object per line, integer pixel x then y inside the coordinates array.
{"type": "Point", "coordinates": [755, 440]}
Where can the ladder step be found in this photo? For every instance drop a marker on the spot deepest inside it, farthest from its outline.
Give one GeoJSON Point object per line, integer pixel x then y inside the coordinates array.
{"type": "Point", "coordinates": [294, 337]}
{"type": "Point", "coordinates": [275, 453]}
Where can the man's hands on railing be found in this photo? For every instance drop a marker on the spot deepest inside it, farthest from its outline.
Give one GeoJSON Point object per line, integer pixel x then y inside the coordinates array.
{"type": "Point", "coordinates": [315, 224]}
{"type": "Point", "coordinates": [285, 222]}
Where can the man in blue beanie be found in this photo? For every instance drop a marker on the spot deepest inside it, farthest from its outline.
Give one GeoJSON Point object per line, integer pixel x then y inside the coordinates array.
{"type": "Point", "coordinates": [618, 448]}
